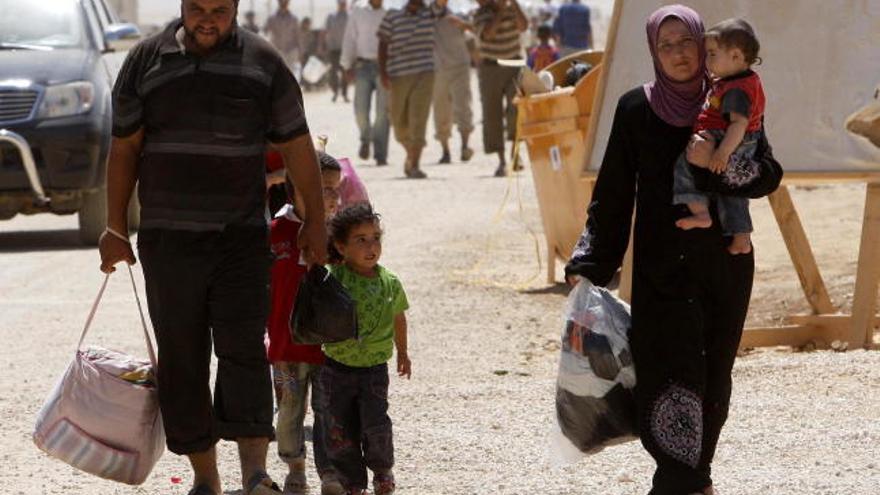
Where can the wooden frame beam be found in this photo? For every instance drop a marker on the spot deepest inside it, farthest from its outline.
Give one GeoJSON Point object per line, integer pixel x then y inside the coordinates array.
{"type": "Point", "coordinates": [799, 249]}
{"type": "Point", "coordinates": [868, 277]}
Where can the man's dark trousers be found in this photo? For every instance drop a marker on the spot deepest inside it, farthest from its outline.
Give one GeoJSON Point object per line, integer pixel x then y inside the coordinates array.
{"type": "Point", "coordinates": [204, 287]}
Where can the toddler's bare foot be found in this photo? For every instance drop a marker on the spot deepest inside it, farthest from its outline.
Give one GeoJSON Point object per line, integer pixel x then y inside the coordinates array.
{"type": "Point", "coordinates": [742, 244]}
{"type": "Point", "coordinates": [700, 220]}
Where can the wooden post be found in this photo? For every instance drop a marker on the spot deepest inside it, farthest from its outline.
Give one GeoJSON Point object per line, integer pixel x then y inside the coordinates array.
{"type": "Point", "coordinates": [799, 249]}
{"type": "Point", "coordinates": [551, 262]}
{"type": "Point", "coordinates": [868, 276]}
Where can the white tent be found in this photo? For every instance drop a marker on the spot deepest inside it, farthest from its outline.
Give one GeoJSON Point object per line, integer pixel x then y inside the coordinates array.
{"type": "Point", "coordinates": [821, 64]}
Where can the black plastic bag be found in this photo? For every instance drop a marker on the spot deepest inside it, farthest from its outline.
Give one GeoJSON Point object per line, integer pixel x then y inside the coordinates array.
{"type": "Point", "coordinates": [595, 405]}
{"type": "Point", "coordinates": [324, 312]}
{"type": "Point", "coordinates": [578, 70]}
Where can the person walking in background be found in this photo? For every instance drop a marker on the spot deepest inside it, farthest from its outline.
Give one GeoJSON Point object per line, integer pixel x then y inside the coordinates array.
{"type": "Point", "coordinates": [309, 43]}
{"type": "Point", "coordinates": [499, 24]}
{"type": "Point", "coordinates": [545, 53]}
{"type": "Point", "coordinates": [452, 84]}
{"type": "Point", "coordinates": [334, 32]}
{"type": "Point", "coordinates": [572, 28]}
{"type": "Point", "coordinates": [250, 22]}
{"type": "Point", "coordinates": [192, 137]}
{"type": "Point", "coordinates": [283, 30]}
{"type": "Point", "coordinates": [359, 59]}
{"type": "Point", "coordinates": [547, 12]}
{"type": "Point", "coordinates": [406, 64]}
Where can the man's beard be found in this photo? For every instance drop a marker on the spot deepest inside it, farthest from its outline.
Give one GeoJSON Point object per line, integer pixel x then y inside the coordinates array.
{"type": "Point", "coordinates": [194, 41]}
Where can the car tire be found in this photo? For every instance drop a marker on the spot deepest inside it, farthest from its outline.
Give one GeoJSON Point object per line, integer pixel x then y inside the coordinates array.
{"type": "Point", "coordinates": [93, 217]}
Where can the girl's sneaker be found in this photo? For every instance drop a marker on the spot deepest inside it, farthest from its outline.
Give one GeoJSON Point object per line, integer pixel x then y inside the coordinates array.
{"type": "Point", "coordinates": [383, 483]}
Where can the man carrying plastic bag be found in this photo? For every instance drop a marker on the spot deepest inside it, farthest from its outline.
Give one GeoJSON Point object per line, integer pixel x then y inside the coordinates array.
{"type": "Point", "coordinates": [595, 407]}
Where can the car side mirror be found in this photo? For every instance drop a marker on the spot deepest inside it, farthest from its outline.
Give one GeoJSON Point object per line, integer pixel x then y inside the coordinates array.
{"type": "Point", "coordinates": [121, 37]}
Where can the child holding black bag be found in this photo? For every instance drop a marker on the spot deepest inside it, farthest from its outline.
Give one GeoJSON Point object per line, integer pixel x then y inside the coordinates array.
{"type": "Point", "coordinates": [295, 366]}
{"type": "Point", "coordinates": [354, 380]}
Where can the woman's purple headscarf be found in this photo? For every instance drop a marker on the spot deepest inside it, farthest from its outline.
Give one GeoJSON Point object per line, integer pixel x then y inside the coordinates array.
{"type": "Point", "coordinates": [677, 103]}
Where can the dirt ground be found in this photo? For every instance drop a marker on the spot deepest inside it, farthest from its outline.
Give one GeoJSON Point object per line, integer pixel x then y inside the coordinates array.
{"type": "Point", "coordinates": [484, 342]}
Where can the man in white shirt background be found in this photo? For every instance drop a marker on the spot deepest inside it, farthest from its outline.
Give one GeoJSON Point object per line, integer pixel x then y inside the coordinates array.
{"type": "Point", "coordinates": [359, 58]}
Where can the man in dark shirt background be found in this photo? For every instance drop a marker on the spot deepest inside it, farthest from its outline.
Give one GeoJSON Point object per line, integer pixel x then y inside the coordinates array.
{"type": "Point", "coordinates": [572, 28]}
{"type": "Point", "coordinates": [193, 109]}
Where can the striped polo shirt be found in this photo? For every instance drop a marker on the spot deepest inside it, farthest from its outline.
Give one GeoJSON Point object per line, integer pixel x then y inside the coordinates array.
{"type": "Point", "coordinates": [505, 42]}
{"type": "Point", "coordinates": [206, 123]}
{"type": "Point", "coordinates": [410, 39]}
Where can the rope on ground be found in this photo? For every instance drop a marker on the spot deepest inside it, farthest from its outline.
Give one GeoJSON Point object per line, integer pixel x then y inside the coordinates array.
{"type": "Point", "coordinates": [477, 268]}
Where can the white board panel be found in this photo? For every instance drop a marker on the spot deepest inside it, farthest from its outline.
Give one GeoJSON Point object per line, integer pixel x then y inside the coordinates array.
{"type": "Point", "coordinates": [821, 64]}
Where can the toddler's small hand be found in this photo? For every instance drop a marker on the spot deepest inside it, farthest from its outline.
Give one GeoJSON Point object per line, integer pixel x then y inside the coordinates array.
{"type": "Point", "coordinates": [718, 162]}
{"type": "Point", "coordinates": [700, 149]}
{"type": "Point", "coordinates": [404, 366]}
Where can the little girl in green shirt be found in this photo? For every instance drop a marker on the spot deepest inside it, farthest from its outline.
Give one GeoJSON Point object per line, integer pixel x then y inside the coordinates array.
{"type": "Point", "coordinates": [354, 380]}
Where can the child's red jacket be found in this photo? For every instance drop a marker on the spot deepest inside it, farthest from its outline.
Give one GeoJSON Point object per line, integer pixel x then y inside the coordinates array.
{"type": "Point", "coordinates": [287, 271]}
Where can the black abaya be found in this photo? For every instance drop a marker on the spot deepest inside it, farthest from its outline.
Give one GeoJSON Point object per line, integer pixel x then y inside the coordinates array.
{"type": "Point", "coordinates": [689, 297]}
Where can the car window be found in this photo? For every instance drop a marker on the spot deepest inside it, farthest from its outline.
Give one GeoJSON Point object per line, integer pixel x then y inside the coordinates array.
{"type": "Point", "coordinates": [108, 13]}
{"type": "Point", "coordinates": [95, 23]}
{"type": "Point", "coordinates": [43, 24]}
{"type": "Point", "coordinates": [100, 10]}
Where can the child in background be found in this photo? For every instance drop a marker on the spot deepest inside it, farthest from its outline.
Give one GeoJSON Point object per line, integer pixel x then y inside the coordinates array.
{"type": "Point", "coordinates": [351, 189]}
{"type": "Point", "coordinates": [545, 53]}
{"type": "Point", "coordinates": [354, 380]}
{"type": "Point", "coordinates": [732, 116]}
{"type": "Point", "coordinates": [295, 366]}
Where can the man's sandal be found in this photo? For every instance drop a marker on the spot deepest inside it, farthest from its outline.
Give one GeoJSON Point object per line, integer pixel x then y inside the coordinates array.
{"type": "Point", "coordinates": [201, 490]}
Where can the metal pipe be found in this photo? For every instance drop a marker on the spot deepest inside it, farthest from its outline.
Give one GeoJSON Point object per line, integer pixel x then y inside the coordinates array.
{"type": "Point", "coordinates": [27, 159]}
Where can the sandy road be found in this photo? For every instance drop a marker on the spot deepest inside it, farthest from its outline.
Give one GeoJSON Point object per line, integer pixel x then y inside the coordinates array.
{"type": "Point", "coordinates": [475, 416]}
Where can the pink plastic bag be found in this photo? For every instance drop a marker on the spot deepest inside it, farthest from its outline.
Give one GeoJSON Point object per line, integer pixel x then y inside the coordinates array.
{"type": "Point", "coordinates": [103, 415]}
{"type": "Point", "coordinates": [351, 189]}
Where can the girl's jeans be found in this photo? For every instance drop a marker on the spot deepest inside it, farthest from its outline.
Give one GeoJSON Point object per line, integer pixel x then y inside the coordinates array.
{"type": "Point", "coordinates": [292, 380]}
{"type": "Point", "coordinates": [358, 429]}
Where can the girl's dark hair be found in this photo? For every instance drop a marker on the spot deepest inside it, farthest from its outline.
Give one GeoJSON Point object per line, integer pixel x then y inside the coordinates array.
{"type": "Point", "coordinates": [737, 33]}
{"type": "Point", "coordinates": [340, 226]}
{"type": "Point", "coordinates": [325, 162]}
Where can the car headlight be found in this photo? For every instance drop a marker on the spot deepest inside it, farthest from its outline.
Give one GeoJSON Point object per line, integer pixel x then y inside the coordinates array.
{"type": "Point", "coordinates": [65, 100]}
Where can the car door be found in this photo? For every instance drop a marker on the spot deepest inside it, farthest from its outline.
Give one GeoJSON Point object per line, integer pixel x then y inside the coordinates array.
{"type": "Point", "coordinates": [103, 17]}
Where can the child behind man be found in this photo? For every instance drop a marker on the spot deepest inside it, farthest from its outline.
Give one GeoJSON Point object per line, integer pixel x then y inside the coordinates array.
{"type": "Point", "coordinates": [545, 53]}
{"type": "Point", "coordinates": [295, 366]}
{"type": "Point", "coordinates": [732, 117]}
{"type": "Point", "coordinates": [354, 380]}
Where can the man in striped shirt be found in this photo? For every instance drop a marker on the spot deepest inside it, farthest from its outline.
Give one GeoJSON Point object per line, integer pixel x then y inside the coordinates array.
{"type": "Point", "coordinates": [193, 109]}
{"type": "Point", "coordinates": [499, 24]}
{"type": "Point", "coordinates": [406, 64]}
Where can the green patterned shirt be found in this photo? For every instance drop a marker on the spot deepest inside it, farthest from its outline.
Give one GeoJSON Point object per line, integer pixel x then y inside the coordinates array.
{"type": "Point", "coordinates": [379, 299]}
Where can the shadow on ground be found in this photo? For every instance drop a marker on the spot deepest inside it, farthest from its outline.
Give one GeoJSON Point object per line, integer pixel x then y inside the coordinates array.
{"type": "Point", "coordinates": [41, 240]}
{"type": "Point", "coordinates": [557, 288]}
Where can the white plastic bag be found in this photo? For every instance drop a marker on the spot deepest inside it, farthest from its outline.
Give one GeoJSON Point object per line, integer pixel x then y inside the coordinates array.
{"type": "Point", "coordinates": [595, 407]}
{"type": "Point", "coordinates": [314, 70]}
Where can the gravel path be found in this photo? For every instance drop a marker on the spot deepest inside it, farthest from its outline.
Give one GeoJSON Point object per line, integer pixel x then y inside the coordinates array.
{"type": "Point", "coordinates": [475, 417]}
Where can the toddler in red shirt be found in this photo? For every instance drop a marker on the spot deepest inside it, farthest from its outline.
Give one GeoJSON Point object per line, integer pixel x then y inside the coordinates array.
{"type": "Point", "coordinates": [732, 117]}
{"type": "Point", "coordinates": [545, 53]}
{"type": "Point", "coordinates": [295, 366]}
